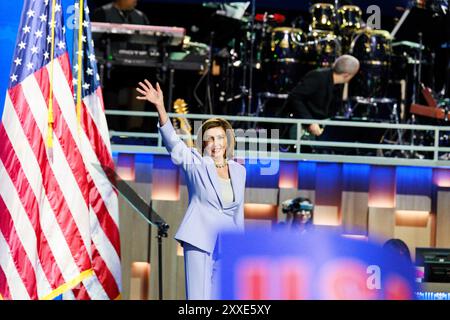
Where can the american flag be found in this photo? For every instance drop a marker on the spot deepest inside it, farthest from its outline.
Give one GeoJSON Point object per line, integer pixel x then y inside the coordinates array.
{"type": "Point", "coordinates": [59, 228]}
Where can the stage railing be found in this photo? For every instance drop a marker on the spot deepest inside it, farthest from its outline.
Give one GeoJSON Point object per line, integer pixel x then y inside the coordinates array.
{"type": "Point", "coordinates": [253, 143]}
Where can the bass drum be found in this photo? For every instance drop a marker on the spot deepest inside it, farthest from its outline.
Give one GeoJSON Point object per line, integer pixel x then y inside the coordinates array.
{"type": "Point", "coordinates": [284, 65]}
{"type": "Point", "coordinates": [373, 49]}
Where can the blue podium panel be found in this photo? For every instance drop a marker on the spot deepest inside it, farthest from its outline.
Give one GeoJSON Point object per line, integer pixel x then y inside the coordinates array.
{"type": "Point", "coordinates": [318, 264]}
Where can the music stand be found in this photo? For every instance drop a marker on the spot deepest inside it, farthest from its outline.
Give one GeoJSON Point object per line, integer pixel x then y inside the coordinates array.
{"type": "Point", "coordinates": [142, 208]}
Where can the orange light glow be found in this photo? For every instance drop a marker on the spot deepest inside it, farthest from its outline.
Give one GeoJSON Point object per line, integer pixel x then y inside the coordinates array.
{"type": "Point", "coordinates": [140, 269]}
{"type": "Point", "coordinates": [165, 185]}
{"type": "Point", "coordinates": [409, 218]}
{"type": "Point", "coordinates": [260, 211]}
{"type": "Point", "coordinates": [165, 193]}
{"type": "Point", "coordinates": [382, 187]}
{"type": "Point", "coordinates": [326, 220]}
{"type": "Point", "coordinates": [180, 251]}
{"type": "Point", "coordinates": [441, 177]}
{"type": "Point", "coordinates": [288, 175]}
{"type": "Point", "coordinates": [382, 201]}
{"type": "Point", "coordinates": [125, 166]}
{"type": "Point", "coordinates": [139, 284]}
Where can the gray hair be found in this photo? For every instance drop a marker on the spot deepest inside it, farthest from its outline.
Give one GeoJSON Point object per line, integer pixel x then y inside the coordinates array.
{"type": "Point", "coordinates": [346, 64]}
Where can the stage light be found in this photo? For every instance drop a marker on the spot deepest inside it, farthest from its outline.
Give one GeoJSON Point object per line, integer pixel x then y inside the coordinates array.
{"type": "Point", "coordinates": [288, 178]}
{"type": "Point", "coordinates": [126, 166]}
{"type": "Point", "coordinates": [139, 284]}
{"type": "Point", "coordinates": [409, 218]}
{"type": "Point", "coordinates": [441, 178]}
{"type": "Point", "coordinates": [260, 211]}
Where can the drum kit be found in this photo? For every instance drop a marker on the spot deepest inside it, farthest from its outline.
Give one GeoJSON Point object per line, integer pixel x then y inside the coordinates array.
{"type": "Point", "coordinates": [284, 54]}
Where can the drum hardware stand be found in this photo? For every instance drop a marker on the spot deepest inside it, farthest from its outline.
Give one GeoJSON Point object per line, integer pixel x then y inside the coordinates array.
{"type": "Point", "coordinates": [247, 92]}
{"type": "Point", "coordinates": [398, 132]}
{"type": "Point", "coordinates": [209, 67]}
{"type": "Point", "coordinates": [252, 47]}
{"type": "Point", "coordinates": [162, 233]}
{"type": "Point", "coordinates": [336, 5]}
{"type": "Point", "coordinates": [446, 156]}
{"type": "Point", "coordinates": [417, 74]}
{"type": "Point", "coordinates": [348, 110]}
{"type": "Point", "coordinates": [263, 98]}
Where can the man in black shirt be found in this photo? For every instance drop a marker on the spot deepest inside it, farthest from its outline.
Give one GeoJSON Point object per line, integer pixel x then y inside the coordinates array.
{"type": "Point", "coordinates": [314, 96]}
{"type": "Point", "coordinates": [120, 11]}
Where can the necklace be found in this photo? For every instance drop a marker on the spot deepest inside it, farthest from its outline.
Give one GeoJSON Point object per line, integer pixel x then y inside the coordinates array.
{"type": "Point", "coordinates": [220, 165]}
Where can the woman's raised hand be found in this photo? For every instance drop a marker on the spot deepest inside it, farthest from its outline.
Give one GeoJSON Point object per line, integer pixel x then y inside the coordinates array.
{"type": "Point", "coordinates": [149, 93]}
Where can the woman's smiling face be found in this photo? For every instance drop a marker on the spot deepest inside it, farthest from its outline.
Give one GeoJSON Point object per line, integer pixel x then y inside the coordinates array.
{"type": "Point", "coordinates": [215, 142]}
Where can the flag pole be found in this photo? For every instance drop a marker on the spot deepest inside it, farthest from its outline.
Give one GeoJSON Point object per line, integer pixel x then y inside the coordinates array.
{"type": "Point", "coordinates": [50, 98]}
{"type": "Point", "coordinates": [80, 61]}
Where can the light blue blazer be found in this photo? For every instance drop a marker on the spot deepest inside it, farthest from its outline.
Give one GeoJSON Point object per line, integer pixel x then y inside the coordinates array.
{"type": "Point", "coordinates": [206, 214]}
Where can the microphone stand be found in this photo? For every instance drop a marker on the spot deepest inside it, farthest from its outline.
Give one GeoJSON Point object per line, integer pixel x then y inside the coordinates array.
{"type": "Point", "coordinates": [162, 233]}
{"type": "Point", "coordinates": [252, 45]}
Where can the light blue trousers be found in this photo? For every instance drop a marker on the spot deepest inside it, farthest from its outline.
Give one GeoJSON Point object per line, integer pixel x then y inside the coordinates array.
{"type": "Point", "coordinates": [202, 273]}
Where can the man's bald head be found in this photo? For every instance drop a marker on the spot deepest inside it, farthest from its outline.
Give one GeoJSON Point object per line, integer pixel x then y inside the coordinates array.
{"type": "Point", "coordinates": [345, 68]}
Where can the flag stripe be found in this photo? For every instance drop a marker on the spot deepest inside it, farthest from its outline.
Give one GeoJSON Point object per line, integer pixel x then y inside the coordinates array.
{"type": "Point", "coordinates": [99, 203]}
{"type": "Point", "coordinates": [99, 139]}
{"type": "Point", "coordinates": [56, 209]}
{"type": "Point", "coordinates": [21, 261]}
{"type": "Point", "coordinates": [51, 186]}
{"type": "Point", "coordinates": [109, 246]}
{"type": "Point", "coordinates": [80, 292]}
{"type": "Point", "coordinates": [4, 285]}
{"type": "Point", "coordinates": [49, 225]}
{"type": "Point", "coordinates": [95, 108]}
{"type": "Point", "coordinates": [29, 232]}
{"type": "Point", "coordinates": [16, 286]}
{"type": "Point", "coordinates": [95, 287]}
{"type": "Point", "coordinates": [96, 141]}
{"type": "Point", "coordinates": [67, 165]}
{"type": "Point", "coordinates": [109, 282]}
{"type": "Point", "coordinates": [109, 260]}
{"type": "Point", "coordinates": [25, 195]}
{"type": "Point", "coordinates": [89, 155]}
{"type": "Point", "coordinates": [108, 226]}
{"type": "Point", "coordinates": [71, 188]}
{"type": "Point", "coordinates": [103, 248]}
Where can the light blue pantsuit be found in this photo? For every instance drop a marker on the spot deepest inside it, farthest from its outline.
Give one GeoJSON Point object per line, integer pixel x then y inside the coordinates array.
{"type": "Point", "coordinates": [202, 273]}
{"type": "Point", "coordinates": [207, 215]}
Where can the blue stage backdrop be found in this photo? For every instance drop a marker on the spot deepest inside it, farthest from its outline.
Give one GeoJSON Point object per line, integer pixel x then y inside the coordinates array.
{"type": "Point", "coordinates": [9, 22]}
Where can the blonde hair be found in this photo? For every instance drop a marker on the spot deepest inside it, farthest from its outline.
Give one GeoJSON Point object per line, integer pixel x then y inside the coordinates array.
{"type": "Point", "coordinates": [216, 123]}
